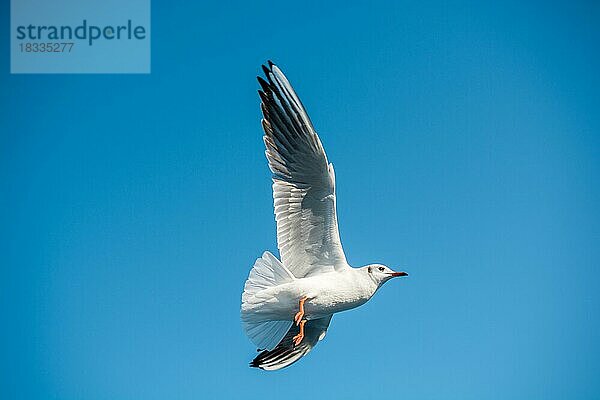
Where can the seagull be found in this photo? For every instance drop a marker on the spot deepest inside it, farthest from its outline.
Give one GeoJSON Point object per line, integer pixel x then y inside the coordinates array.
{"type": "Point", "coordinates": [287, 304]}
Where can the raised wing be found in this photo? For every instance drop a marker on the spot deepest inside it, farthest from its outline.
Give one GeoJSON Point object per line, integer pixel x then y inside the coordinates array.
{"type": "Point", "coordinates": [285, 354]}
{"type": "Point", "coordinates": [303, 182]}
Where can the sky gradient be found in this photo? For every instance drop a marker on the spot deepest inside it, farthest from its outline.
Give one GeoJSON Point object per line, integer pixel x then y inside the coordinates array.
{"type": "Point", "coordinates": [465, 140]}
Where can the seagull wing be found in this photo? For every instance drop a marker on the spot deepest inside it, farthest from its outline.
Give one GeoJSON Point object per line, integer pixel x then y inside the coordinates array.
{"type": "Point", "coordinates": [286, 353]}
{"type": "Point", "coordinates": [303, 182]}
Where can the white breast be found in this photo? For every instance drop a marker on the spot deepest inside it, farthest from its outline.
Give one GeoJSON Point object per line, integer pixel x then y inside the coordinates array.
{"type": "Point", "coordinates": [335, 292]}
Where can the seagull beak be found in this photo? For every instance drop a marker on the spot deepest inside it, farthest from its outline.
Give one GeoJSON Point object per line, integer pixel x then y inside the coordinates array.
{"type": "Point", "coordinates": [395, 274]}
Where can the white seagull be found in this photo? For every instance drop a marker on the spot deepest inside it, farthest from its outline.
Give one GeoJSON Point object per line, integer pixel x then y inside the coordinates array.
{"type": "Point", "coordinates": [287, 305]}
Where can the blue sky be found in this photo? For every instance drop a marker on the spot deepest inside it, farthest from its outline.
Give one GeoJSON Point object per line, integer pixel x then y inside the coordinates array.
{"type": "Point", "coordinates": [466, 144]}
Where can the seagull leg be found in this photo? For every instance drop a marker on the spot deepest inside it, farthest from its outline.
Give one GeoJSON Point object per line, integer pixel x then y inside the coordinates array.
{"type": "Point", "coordinates": [300, 314]}
{"type": "Point", "coordinates": [300, 321]}
{"type": "Point", "coordinates": [298, 338]}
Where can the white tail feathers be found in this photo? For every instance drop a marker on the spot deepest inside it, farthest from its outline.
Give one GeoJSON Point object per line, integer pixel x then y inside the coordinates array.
{"type": "Point", "coordinates": [267, 272]}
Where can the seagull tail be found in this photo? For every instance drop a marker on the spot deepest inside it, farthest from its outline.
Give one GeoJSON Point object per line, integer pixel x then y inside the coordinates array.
{"type": "Point", "coordinates": [268, 271]}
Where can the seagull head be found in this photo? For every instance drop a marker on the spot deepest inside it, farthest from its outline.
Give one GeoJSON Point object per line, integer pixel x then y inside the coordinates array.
{"type": "Point", "coordinates": [381, 274]}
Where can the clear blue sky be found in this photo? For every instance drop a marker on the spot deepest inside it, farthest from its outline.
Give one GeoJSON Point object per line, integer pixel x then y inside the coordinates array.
{"type": "Point", "coordinates": [466, 143]}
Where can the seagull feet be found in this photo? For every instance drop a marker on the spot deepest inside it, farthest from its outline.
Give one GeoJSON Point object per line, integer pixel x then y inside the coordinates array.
{"type": "Point", "coordinates": [300, 314]}
{"type": "Point", "coordinates": [298, 319]}
{"type": "Point", "coordinates": [298, 338]}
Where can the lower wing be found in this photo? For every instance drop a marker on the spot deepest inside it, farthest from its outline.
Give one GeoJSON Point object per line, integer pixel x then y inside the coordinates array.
{"type": "Point", "coordinates": [286, 353]}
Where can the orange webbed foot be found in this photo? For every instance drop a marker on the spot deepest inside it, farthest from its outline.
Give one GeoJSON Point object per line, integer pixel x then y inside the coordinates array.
{"type": "Point", "coordinates": [298, 338]}
{"type": "Point", "coordinates": [300, 314]}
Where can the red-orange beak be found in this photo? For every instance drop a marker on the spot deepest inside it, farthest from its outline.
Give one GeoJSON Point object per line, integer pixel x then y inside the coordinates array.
{"type": "Point", "coordinates": [395, 274]}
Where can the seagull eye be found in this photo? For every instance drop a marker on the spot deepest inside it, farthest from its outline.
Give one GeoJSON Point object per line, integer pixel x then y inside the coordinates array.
{"type": "Point", "coordinates": [381, 269]}
{"type": "Point", "coordinates": [369, 269]}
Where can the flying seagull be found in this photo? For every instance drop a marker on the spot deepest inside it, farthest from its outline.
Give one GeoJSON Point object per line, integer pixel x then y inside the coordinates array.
{"type": "Point", "coordinates": [287, 305]}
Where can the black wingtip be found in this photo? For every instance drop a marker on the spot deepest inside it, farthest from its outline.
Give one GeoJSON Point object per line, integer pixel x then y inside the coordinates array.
{"type": "Point", "coordinates": [254, 364]}
{"type": "Point", "coordinates": [263, 84]}
{"type": "Point", "coordinates": [263, 97]}
{"type": "Point", "coordinates": [266, 70]}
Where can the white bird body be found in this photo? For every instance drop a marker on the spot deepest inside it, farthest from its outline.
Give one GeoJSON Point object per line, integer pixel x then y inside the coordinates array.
{"type": "Point", "coordinates": [325, 295]}
{"type": "Point", "coordinates": [287, 305]}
